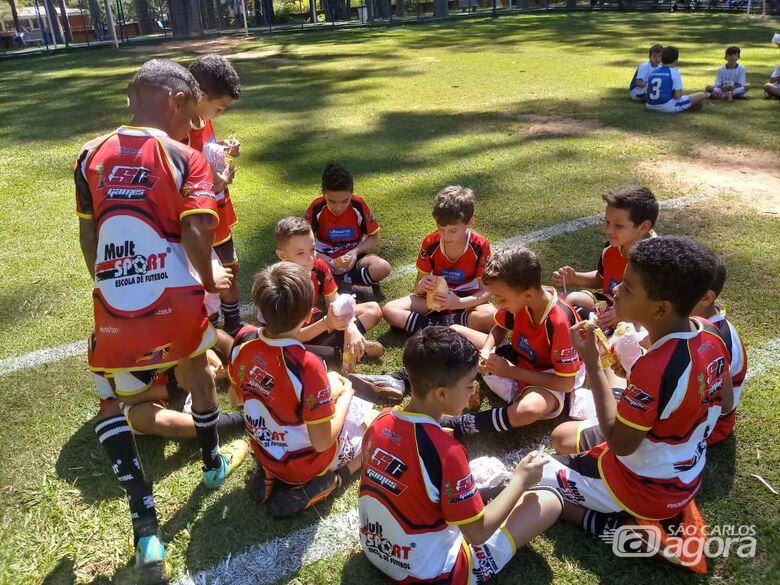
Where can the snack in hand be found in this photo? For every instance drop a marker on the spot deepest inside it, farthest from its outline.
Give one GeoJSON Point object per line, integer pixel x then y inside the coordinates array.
{"type": "Point", "coordinates": [336, 386]}
{"type": "Point", "coordinates": [439, 287]}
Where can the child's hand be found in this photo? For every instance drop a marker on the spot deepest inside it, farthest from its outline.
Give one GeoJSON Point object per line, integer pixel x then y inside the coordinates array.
{"type": "Point", "coordinates": [232, 146]}
{"type": "Point", "coordinates": [565, 274]}
{"type": "Point", "coordinates": [216, 365]}
{"type": "Point", "coordinates": [495, 364]}
{"type": "Point", "coordinates": [354, 342]}
{"type": "Point", "coordinates": [584, 341]}
{"type": "Point", "coordinates": [337, 322]}
{"type": "Point", "coordinates": [529, 468]}
{"type": "Point", "coordinates": [448, 301]}
{"type": "Point", "coordinates": [221, 278]}
{"type": "Point", "coordinates": [427, 283]}
{"type": "Point", "coordinates": [346, 262]}
{"type": "Point", "coordinates": [619, 370]}
{"type": "Point", "coordinates": [223, 179]}
{"type": "Point", "coordinates": [608, 318]}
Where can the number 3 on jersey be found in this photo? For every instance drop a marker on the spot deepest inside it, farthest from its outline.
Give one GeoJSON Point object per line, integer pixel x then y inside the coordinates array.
{"type": "Point", "coordinates": [655, 88]}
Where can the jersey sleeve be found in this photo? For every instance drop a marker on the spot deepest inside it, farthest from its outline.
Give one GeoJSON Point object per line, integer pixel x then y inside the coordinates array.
{"type": "Point", "coordinates": [676, 80]}
{"type": "Point", "coordinates": [565, 359]}
{"type": "Point", "coordinates": [638, 405]}
{"type": "Point", "coordinates": [460, 501]}
{"type": "Point", "coordinates": [643, 72]}
{"type": "Point", "coordinates": [424, 260]}
{"type": "Point", "coordinates": [719, 77]}
{"type": "Point", "coordinates": [198, 190]}
{"type": "Point", "coordinates": [84, 207]}
{"type": "Point", "coordinates": [370, 224]}
{"type": "Point", "coordinates": [318, 403]}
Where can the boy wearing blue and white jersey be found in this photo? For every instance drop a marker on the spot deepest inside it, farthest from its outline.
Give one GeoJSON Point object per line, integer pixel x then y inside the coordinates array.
{"type": "Point", "coordinates": [664, 87]}
{"type": "Point", "coordinates": [730, 80]}
{"type": "Point", "coordinates": [638, 86]}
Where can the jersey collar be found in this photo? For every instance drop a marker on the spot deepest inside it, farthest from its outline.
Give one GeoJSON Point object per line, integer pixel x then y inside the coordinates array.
{"type": "Point", "coordinates": [679, 335]}
{"type": "Point", "coordinates": [414, 417]}
{"type": "Point", "coordinates": [281, 342]}
{"type": "Point", "coordinates": [141, 131]}
{"type": "Point", "coordinates": [548, 308]}
{"type": "Point", "coordinates": [719, 316]}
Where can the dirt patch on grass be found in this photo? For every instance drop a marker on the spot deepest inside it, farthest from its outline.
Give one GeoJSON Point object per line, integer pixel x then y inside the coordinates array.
{"type": "Point", "coordinates": [753, 176]}
{"type": "Point", "coordinates": [559, 126]}
{"type": "Point", "coordinates": [199, 46]}
{"type": "Point", "coordinates": [253, 55]}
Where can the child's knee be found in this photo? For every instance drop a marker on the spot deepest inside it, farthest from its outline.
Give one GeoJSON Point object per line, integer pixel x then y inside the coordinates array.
{"type": "Point", "coordinates": [379, 268]}
{"type": "Point", "coordinates": [369, 314]}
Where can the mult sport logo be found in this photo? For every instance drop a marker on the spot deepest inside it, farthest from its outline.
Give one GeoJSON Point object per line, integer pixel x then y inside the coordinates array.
{"type": "Point", "coordinates": [384, 548]}
{"type": "Point", "coordinates": [125, 267]}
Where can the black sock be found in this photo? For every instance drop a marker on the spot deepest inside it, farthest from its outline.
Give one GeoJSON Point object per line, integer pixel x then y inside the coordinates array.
{"type": "Point", "coordinates": [208, 437]}
{"type": "Point", "coordinates": [495, 420]}
{"type": "Point", "coordinates": [364, 277]}
{"type": "Point", "coordinates": [344, 475]}
{"type": "Point", "coordinates": [414, 322]}
{"type": "Point", "coordinates": [600, 523]}
{"type": "Point", "coordinates": [232, 316]}
{"type": "Point", "coordinates": [463, 318]}
{"type": "Point", "coordinates": [118, 442]}
{"type": "Point", "coordinates": [230, 420]}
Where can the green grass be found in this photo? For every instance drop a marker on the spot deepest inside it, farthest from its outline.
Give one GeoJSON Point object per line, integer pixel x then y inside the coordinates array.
{"type": "Point", "coordinates": [408, 110]}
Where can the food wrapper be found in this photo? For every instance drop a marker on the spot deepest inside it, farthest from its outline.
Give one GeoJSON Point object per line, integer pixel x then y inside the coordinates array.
{"type": "Point", "coordinates": [607, 359]}
{"type": "Point", "coordinates": [336, 386]}
{"type": "Point", "coordinates": [488, 472]}
{"type": "Point", "coordinates": [216, 156]}
{"type": "Point", "coordinates": [440, 287]}
{"type": "Point", "coordinates": [343, 304]}
{"type": "Point", "coordinates": [625, 344]}
{"type": "Point", "coordinates": [582, 406]}
{"type": "Point", "coordinates": [505, 388]}
{"type": "Point", "coordinates": [342, 262]}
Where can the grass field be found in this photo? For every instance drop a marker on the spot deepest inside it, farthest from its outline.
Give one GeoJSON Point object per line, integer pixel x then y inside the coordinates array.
{"type": "Point", "coordinates": [531, 111]}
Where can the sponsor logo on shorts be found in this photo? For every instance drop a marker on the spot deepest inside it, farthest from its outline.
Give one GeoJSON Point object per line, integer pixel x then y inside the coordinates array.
{"type": "Point", "coordinates": [109, 330]}
{"type": "Point", "coordinates": [455, 276]}
{"type": "Point", "coordinates": [637, 398]}
{"type": "Point", "coordinates": [485, 566]}
{"type": "Point", "coordinates": [691, 462]}
{"type": "Point", "coordinates": [462, 490]}
{"type": "Point", "coordinates": [124, 267]}
{"type": "Point", "coordinates": [388, 551]}
{"type": "Point", "coordinates": [568, 488]}
{"type": "Point", "coordinates": [258, 429]}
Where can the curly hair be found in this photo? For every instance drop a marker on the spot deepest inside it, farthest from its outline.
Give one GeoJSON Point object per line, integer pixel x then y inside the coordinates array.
{"type": "Point", "coordinates": [336, 177]}
{"type": "Point", "coordinates": [216, 76]}
{"type": "Point", "coordinates": [516, 266]}
{"type": "Point", "coordinates": [437, 357]}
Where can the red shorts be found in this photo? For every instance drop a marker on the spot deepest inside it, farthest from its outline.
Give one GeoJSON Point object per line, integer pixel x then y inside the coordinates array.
{"type": "Point", "coordinates": [227, 219]}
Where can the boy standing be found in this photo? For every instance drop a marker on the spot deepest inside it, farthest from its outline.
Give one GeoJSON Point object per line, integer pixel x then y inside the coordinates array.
{"type": "Point", "coordinates": [629, 218]}
{"type": "Point", "coordinates": [346, 230]}
{"type": "Point", "coordinates": [664, 87]}
{"type": "Point", "coordinates": [540, 363]}
{"type": "Point", "coordinates": [638, 87]}
{"type": "Point", "coordinates": [421, 516]}
{"type": "Point", "coordinates": [730, 80]}
{"type": "Point", "coordinates": [647, 452]}
{"type": "Point", "coordinates": [220, 87]}
{"type": "Point", "coordinates": [298, 423]}
{"type": "Point", "coordinates": [456, 253]}
{"type": "Point", "coordinates": [146, 213]}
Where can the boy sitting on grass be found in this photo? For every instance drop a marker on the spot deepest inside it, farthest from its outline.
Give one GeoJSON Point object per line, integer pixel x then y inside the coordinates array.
{"type": "Point", "coordinates": [629, 218]}
{"type": "Point", "coordinates": [456, 253]}
{"type": "Point", "coordinates": [296, 415]}
{"type": "Point", "coordinates": [664, 87]}
{"type": "Point", "coordinates": [539, 366]}
{"type": "Point", "coordinates": [645, 453]}
{"type": "Point", "coordinates": [220, 87]}
{"type": "Point", "coordinates": [346, 231]}
{"type": "Point", "coordinates": [638, 87]}
{"type": "Point", "coordinates": [422, 519]}
{"type": "Point", "coordinates": [730, 81]}
{"type": "Point", "coordinates": [295, 243]}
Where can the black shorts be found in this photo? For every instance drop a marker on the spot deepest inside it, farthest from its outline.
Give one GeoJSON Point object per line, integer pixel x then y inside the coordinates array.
{"type": "Point", "coordinates": [226, 252]}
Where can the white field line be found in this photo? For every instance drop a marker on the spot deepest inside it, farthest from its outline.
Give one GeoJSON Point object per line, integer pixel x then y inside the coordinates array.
{"type": "Point", "coordinates": [53, 354]}
{"type": "Point", "coordinates": [282, 557]}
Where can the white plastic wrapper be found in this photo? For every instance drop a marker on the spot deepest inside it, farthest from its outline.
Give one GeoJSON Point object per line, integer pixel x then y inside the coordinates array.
{"type": "Point", "coordinates": [625, 344]}
{"type": "Point", "coordinates": [343, 304]}
{"type": "Point", "coordinates": [582, 406]}
{"type": "Point", "coordinates": [215, 154]}
{"type": "Point", "coordinates": [359, 409]}
{"type": "Point", "coordinates": [488, 472]}
{"type": "Point", "coordinates": [504, 388]}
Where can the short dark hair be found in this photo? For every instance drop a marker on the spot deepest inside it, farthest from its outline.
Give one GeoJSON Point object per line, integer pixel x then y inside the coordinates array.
{"type": "Point", "coordinates": [453, 204]}
{"type": "Point", "coordinates": [675, 269]}
{"type": "Point", "coordinates": [216, 76]}
{"type": "Point", "coordinates": [669, 55]}
{"type": "Point", "coordinates": [284, 294]}
{"type": "Point", "coordinates": [719, 278]}
{"type": "Point", "coordinates": [516, 266]}
{"type": "Point", "coordinates": [337, 177]}
{"type": "Point", "coordinates": [437, 357]}
{"type": "Point", "coordinates": [166, 75]}
{"type": "Point", "coordinates": [733, 51]}
{"type": "Point", "coordinates": [639, 201]}
{"type": "Point", "coordinates": [291, 226]}
{"type": "Point", "coordinates": [655, 49]}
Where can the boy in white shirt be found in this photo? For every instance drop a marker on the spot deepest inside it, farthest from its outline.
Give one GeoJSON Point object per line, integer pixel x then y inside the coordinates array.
{"type": "Point", "coordinates": [772, 89]}
{"type": "Point", "coordinates": [638, 87]}
{"type": "Point", "coordinates": [730, 80]}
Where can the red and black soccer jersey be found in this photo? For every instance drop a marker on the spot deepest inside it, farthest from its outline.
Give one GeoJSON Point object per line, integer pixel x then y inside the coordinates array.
{"type": "Point", "coordinates": [138, 184]}
{"type": "Point", "coordinates": [546, 345]}
{"type": "Point", "coordinates": [284, 389]}
{"type": "Point", "coordinates": [338, 234]}
{"type": "Point", "coordinates": [612, 265]}
{"type": "Point", "coordinates": [415, 489]}
{"type": "Point", "coordinates": [324, 285]}
{"type": "Point", "coordinates": [464, 272]}
{"type": "Point", "coordinates": [674, 393]}
{"type": "Point", "coordinates": [227, 215]}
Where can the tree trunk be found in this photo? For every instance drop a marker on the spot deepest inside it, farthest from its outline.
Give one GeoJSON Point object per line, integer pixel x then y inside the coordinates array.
{"type": "Point", "coordinates": [143, 17]}
{"type": "Point", "coordinates": [56, 34]}
{"type": "Point", "coordinates": [15, 16]}
{"type": "Point", "coordinates": [94, 15]}
{"type": "Point", "coordinates": [68, 34]}
{"type": "Point", "coordinates": [185, 18]}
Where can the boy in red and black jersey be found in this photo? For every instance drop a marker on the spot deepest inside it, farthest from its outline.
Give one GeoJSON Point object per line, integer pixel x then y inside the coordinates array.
{"type": "Point", "coordinates": [422, 518]}
{"type": "Point", "coordinates": [298, 423]}
{"type": "Point", "coordinates": [295, 243]}
{"type": "Point", "coordinates": [345, 230]}
{"type": "Point", "coordinates": [456, 253]}
{"type": "Point", "coordinates": [220, 87]}
{"type": "Point", "coordinates": [629, 218]}
{"type": "Point", "coordinates": [708, 309]}
{"type": "Point", "coordinates": [146, 216]}
{"type": "Point", "coordinates": [646, 454]}
{"type": "Point", "coordinates": [539, 363]}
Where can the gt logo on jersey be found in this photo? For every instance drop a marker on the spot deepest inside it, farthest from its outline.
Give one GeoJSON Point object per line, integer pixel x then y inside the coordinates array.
{"type": "Point", "coordinates": [387, 462]}
{"type": "Point", "coordinates": [125, 175]}
{"type": "Point", "coordinates": [636, 397]}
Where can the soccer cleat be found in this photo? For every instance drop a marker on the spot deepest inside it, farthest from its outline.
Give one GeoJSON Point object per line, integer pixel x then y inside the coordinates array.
{"type": "Point", "coordinates": [373, 349]}
{"type": "Point", "coordinates": [379, 388]}
{"type": "Point", "coordinates": [214, 478]}
{"type": "Point", "coordinates": [260, 484]}
{"type": "Point", "coordinates": [288, 501]}
{"type": "Point", "coordinates": [150, 564]}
